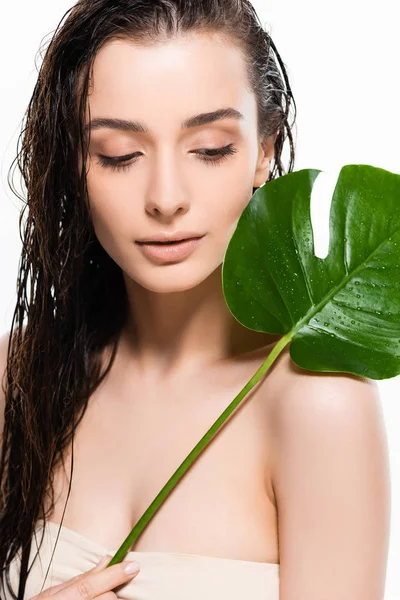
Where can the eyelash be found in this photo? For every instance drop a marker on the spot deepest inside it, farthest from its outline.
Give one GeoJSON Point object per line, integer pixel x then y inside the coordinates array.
{"type": "Point", "coordinates": [118, 163]}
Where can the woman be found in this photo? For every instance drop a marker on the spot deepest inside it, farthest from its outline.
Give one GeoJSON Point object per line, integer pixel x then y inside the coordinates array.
{"type": "Point", "coordinates": [129, 352]}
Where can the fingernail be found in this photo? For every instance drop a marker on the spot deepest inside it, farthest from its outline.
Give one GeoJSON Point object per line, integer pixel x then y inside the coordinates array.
{"type": "Point", "coordinates": [131, 567]}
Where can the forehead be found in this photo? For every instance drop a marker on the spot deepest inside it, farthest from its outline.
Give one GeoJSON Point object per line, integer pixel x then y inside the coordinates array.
{"type": "Point", "coordinates": [179, 77]}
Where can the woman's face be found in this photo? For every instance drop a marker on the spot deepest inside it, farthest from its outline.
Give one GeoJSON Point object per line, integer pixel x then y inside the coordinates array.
{"type": "Point", "coordinates": [172, 182]}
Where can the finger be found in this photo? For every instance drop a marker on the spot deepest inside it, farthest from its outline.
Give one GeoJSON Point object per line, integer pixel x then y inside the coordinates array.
{"type": "Point", "coordinates": [56, 588]}
{"type": "Point", "coordinates": [107, 596]}
{"type": "Point", "coordinates": [102, 563]}
{"type": "Point", "coordinates": [95, 584]}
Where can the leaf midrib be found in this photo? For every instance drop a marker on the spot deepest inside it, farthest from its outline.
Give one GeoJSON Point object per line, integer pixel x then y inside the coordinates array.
{"type": "Point", "coordinates": [329, 296]}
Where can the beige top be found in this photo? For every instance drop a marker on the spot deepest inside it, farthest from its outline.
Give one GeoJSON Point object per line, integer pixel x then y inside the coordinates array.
{"type": "Point", "coordinates": [162, 576]}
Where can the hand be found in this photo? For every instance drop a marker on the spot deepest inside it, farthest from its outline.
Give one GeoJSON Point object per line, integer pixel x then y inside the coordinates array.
{"type": "Point", "coordinates": [97, 583]}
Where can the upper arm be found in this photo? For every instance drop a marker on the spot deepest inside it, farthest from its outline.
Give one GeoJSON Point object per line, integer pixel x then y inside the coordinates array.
{"type": "Point", "coordinates": [330, 474]}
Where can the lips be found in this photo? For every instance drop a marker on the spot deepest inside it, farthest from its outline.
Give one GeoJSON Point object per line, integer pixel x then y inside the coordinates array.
{"type": "Point", "coordinates": [167, 252]}
{"type": "Point", "coordinates": [179, 235]}
{"type": "Point", "coordinates": [171, 242]}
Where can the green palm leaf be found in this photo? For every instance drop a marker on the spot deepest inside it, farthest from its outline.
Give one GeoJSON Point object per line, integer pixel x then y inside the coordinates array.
{"type": "Point", "coordinates": [341, 313]}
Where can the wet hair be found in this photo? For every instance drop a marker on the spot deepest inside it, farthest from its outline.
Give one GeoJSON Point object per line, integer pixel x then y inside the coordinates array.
{"type": "Point", "coordinates": [71, 300]}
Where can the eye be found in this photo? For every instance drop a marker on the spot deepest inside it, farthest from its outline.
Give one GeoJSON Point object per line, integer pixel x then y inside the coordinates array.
{"type": "Point", "coordinates": [216, 155]}
{"type": "Point", "coordinates": [116, 162]}
{"type": "Point", "coordinates": [211, 155]}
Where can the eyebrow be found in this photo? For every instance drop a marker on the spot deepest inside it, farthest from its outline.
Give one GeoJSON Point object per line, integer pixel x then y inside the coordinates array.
{"type": "Point", "coordinates": [194, 121]}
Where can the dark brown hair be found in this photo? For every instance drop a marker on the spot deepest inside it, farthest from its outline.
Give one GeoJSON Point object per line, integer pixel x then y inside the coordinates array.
{"type": "Point", "coordinates": [70, 293]}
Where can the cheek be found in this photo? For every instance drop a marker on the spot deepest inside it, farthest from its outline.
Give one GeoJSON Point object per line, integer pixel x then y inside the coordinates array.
{"type": "Point", "coordinates": [109, 205]}
{"type": "Point", "coordinates": [226, 203]}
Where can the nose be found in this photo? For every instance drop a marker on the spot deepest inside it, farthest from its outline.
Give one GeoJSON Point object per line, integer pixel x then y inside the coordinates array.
{"type": "Point", "coordinates": [166, 192]}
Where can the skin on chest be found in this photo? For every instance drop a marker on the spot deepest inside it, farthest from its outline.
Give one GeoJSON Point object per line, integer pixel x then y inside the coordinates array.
{"type": "Point", "coordinates": [130, 442]}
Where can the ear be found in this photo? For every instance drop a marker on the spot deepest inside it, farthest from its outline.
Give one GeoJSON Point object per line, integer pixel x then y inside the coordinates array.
{"type": "Point", "coordinates": [266, 152]}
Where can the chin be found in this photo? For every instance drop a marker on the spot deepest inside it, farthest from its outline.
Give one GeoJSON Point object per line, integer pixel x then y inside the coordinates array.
{"type": "Point", "coordinates": [177, 277]}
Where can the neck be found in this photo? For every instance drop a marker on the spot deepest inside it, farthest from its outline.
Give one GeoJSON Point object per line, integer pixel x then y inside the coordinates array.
{"type": "Point", "coordinates": [185, 330]}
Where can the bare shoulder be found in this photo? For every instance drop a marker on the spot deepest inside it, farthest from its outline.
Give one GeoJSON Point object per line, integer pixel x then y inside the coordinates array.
{"type": "Point", "coordinates": [330, 476]}
{"type": "Point", "coordinates": [321, 398]}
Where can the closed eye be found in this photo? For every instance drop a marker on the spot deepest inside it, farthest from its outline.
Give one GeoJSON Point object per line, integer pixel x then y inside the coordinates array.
{"type": "Point", "coordinates": [211, 155]}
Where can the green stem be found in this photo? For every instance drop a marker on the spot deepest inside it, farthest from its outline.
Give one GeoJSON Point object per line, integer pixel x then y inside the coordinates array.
{"type": "Point", "coordinates": [189, 460]}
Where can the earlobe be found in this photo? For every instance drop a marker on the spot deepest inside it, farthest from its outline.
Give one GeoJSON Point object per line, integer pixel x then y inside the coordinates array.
{"type": "Point", "coordinates": [265, 155]}
{"type": "Point", "coordinates": [261, 175]}
{"type": "Point", "coordinates": [262, 170]}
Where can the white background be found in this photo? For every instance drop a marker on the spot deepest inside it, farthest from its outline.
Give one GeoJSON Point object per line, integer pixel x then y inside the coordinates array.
{"type": "Point", "coordinates": [342, 60]}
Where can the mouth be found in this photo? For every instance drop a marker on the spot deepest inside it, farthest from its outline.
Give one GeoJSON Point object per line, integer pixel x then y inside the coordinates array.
{"type": "Point", "coordinates": [165, 252]}
{"type": "Point", "coordinates": [173, 243]}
